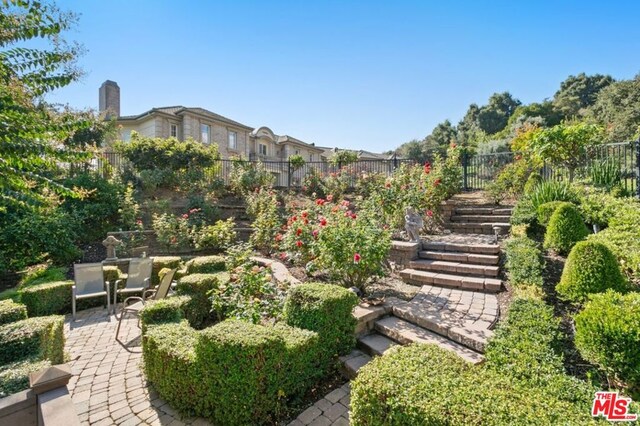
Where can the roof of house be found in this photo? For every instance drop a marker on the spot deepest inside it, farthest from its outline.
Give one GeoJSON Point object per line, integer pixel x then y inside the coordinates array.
{"type": "Point", "coordinates": [361, 153]}
{"type": "Point", "coordinates": [179, 109]}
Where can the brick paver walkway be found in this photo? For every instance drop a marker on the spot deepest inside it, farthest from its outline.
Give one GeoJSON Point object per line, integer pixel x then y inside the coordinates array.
{"type": "Point", "coordinates": [333, 409]}
{"type": "Point", "coordinates": [108, 387]}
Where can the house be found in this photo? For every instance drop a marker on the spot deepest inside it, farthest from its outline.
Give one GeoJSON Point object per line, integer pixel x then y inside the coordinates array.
{"type": "Point", "coordinates": [233, 138]}
{"type": "Point", "coordinates": [362, 154]}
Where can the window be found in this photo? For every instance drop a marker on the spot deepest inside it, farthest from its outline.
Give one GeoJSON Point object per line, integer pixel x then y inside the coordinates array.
{"type": "Point", "coordinates": [174, 131]}
{"type": "Point", "coordinates": [233, 136]}
{"type": "Point", "coordinates": [205, 133]}
{"type": "Point", "coordinates": [262, 149]}
{"type": "Point", "coordinates": [310, 157]}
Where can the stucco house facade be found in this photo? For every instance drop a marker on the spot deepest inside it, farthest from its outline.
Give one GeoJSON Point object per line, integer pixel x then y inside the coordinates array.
{"type": "Point", "coordinates": [233, 138]}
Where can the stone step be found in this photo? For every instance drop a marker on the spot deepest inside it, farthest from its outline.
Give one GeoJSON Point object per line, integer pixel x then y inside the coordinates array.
{"type": "Point", "coordinates": [486, 228]}
{"type": "Point", "coordinates": [375, 344]}
{"type": "Point", "coordinates": [460, 247]}
{"type": "Point", "coordinates": [487, 210]}
{"type": "Point", "coordinates": [417, 277]}
{"type": "Point", "coordinates": [405, 333]}
{"type": "Point", "coordinates": [482, 259]}
{"type": "Point", "coordinates": [352, 363]}
{"type": "Point", "coordinates": [480, 218]}
{"type": "Point", "coordinates": [455, 267]}
{"type": "Point", "coordinates": [455, 325]}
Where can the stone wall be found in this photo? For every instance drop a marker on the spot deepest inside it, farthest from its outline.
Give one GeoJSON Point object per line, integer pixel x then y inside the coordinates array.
{"type": "Point", "coordinates": [403, 252]}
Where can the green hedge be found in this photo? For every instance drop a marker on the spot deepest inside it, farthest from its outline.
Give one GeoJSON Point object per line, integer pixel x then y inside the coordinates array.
{"type": "Point", "coordinates": [546, 210]}
{"type": "Point", "coordinates": [14, 377]}
{"type": "Point", "coordinates": [608, 334]}
{"type": "Point", "coordinates": [54, 298]}
{"type": "Point", "coordinates": [326, 309]}
{"type": "Point", "coordinates": [169, 309]}
{"type": "Point", "coordinates": [11, 311]}
{"type": "Point", "coordinates": [161, 262]}
{"type": "Point", "coordinates": [565, 228]}
{"type": "Point", "coordinates": [422, 384]}
{"type": "Point", "coordinates": [206, 265]}
{"type": "Point", "coordinates": [590, 268]}
{"type": "Point", "coordinates": [42, 337]}
{"type": "Point", "coordinates": [198, 287]}
{"type": "Point", "coordinates": [232, 373]}
{"type": "Point", "coordinates": [168, 352]}
{"type": "Point", "coordinates": [524, 262]}
{"type": "Point", "coordinates": [524, 213]}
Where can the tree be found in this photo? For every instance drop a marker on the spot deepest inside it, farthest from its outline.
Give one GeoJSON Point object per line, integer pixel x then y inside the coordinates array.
{"type": "Point", "coordinates": [468, 127]}
{"type": "Point", "coordinates": [443, 135]}
{"type": "Point", "coordinates": [344, 157]}
{"type": "Point", "coordinates": [618, 110]}
{"type": "Point", "coordinates": [412, 150]}
{"type": "Point", "coordinates": [296, 162]}
{"type": "Point", "coordinates": [494, 116]}
{"type": "Point", "coordinates": [31, 132]}
{"type": "Point", "coordinates": [579, 92]}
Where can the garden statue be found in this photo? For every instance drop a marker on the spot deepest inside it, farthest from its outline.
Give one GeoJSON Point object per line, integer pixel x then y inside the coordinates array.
{"type": "Point", "coordinates": [413, 224]}
{"type": "Point", "coordinates": [110, 243]}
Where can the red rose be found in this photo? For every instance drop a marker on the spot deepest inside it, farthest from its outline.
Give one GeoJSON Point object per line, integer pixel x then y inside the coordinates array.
{"type": "Point", "coordinates": [354, 216]}
{"type": "Point", "coordinates": [298, 231]}
{"type": "Point", "coordinates": [429, 213]}
{"type": "Point", "coordinates": [437, 182]}
{"type": "Point", "coordinates": [299, 243]}
{"type": "Point", "coordinates": [329, 197]}
{"type": "Point", "coordinates": [356, 258]}
{"type": "Point", "coordinates": [319, 202]}
{"type": "Point", "coordinates": [283, 256]}
{"type": "Point", "coordinates": [323, 222]}
{"type": "Point", "coordinates": [304, 214]}
{"type": "Point", "coordinates": [185, 216]}
{"type": "Point", "coordinates": [315, 233]}
{"type": "Point", "coordinates": [279, 237]}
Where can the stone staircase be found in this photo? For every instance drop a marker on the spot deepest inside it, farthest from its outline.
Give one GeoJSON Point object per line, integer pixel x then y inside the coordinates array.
{"type": "Point", "coordinates": [456, 306]}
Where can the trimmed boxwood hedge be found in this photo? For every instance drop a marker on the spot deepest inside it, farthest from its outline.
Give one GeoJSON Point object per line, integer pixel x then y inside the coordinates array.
{"type": "Point", "coordinates": [54, 298]}
{"type": "Point", "coordinates": [590, 268]}
{"type": "Point", "coordinates": [161, 262]}
{"type": "Point", "coordinates": [566, 227]}
{"type": "Point", "coordinates": [14, 377]}
{"type": "Point", "coordinates": [169, 309]}
{"type": "Point", "coordinates": [326, 309]}
{"type": "Point", "coordinates": [236, 372]}
{"type": "Point", "coordinates": [41, 337]}
{"type": "Point", "coordinates": [206, 265]}
{"type": "Point", "coordinates": [11, 311]}
{"type": "Point", "coordinates": [524, 262]}
{"type": "Point", "coordinates": [546, 210]}
{"type": "Point", "coordinates": [198, 287]}
{"type": "Point", "coordinates": [421, 384]}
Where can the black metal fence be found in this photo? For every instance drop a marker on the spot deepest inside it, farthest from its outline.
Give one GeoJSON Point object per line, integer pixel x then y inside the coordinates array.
{"type": "Point", "coordinates": [624, 157]}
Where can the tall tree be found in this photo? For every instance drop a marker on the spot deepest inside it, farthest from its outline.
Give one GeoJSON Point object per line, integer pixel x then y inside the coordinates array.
{"type": "Point", "coordinates": [412, 150]}
{"type": "Point", "coordinates": [32, 134]}
{"type": "Point", "coordinates": [440, 138]}
{"type": "Point", "coordinates": [494, 116]}
{"type": "Point", "coordinates": [618, 110]}
{"type": "Point", "coordinates": [579, 92]}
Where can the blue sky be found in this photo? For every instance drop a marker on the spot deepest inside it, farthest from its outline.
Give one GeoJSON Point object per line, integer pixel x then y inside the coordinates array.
{"type": "Point", "coordinates": [357, 74]}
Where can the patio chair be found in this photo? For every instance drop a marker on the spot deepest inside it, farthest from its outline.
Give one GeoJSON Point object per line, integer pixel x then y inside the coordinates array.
{"type": "Point", "coordinates": [89, 282]}
{"type": "Point", "coordinates": [138, 279]}
{"type": "Point", "coordinates": [154, 294]}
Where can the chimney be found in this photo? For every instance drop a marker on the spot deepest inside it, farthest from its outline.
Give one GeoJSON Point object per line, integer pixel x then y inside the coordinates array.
{"type": "Point", "coordinates": [109, 99]}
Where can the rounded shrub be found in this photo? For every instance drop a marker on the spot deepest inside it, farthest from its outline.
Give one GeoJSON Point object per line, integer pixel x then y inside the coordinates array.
{"type": "Point", "coordinates": [161, 262]}
{"type": "Point", "coordinates": [198, 287]}
{"type": "Point", "coordinates": [608, 334]}
{"type": "Point", "coordinates": [533, 180]}
{"type": "Point", "coordinates": [326, 309]}
{"type": "Point", "coordinates": [206, 265]}
{"type": "Point", "coordinates": [11, 311]}
{"type": "Point", "coordinates": [546, 210]}
{"type": "Point", "coordinates": [422, 384]}
{"type": "Point", "coordinates": [524, 262]}
{"type": "Point", "coordinates": [591, 268]}
{"type": "Point", "coordinates": [565, 228]}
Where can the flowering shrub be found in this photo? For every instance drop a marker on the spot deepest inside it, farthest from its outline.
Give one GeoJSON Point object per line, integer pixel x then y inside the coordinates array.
{"type": "Point", "coordinates": [262, 206]}
{"type": "Point", "coordinates": [368, 182]}
{"type": "Point", "coordinates": [422, 187]}
{"type": "Point", "coordinates": [350, 246]}
{"type": "Point", "coordinates": [247, 177]}
{"type": "Point", "coordinates": [336, 184]}
{"type": "Point", "coordinates": [312, 183]}
{"type": "Point", "coordinates": [172, 231]}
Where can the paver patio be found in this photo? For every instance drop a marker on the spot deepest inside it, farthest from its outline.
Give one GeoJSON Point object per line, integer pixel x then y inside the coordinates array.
{"type": "Point", "coordinates": [108, 386]}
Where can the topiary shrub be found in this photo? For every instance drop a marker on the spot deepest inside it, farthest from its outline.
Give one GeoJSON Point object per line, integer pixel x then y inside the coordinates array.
{"type": "Point", "coordinates": [533, 180]}
{"type": "Point", "coordinates": [42, 337]}
{"type": "Point", "coordinates": [198, 287]}
{"type": "Point", "coordinates": [565, 228]}
{"type": "Point", "coordinates": [169, 309]}
{"type": "Point", "coordinates": [524, 262]}
{"type": "Point", "coordinates": [421, 384]}
{"type": "Point", "coordinates": [111, 274]}
{"type": "Point", "coordinates": [546, 210]}
{"type": "Point", "coordinates": [48, 298]}
{"type": "Point", "coordinates": [168, 353]}
{"type": "Point", "coordinates": [590, 268]}
{"type": "Point", "coordinates": [161, 262]}
{"type": "Point", "coordinates": [205, 265]}
{"type": "Point", "coordinates": [326, 309]}
{"type": "Point", "coordinates": [608, 334]}
{"type": "Point", "coordinates": [14, 377]}
{"type": "Point", "coordinates": [11, 311]}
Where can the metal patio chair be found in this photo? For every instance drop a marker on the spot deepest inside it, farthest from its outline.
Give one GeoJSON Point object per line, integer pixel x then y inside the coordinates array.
{"type": "Point", "coordinates": [154, 294]}
{"type": "Point", "coordinates": [138, 279]}
{"type": "Point", "coordinates": [89, 282]}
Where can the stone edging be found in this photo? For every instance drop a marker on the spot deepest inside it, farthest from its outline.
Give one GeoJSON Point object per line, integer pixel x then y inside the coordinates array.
{"type": "Point", "coordinates": [280, 272]}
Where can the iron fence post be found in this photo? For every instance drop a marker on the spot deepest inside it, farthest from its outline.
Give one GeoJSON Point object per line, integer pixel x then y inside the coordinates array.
{"type": "Point", "coordinates": [637, 146]}
{"type": "Point", "coordinates": [465, 176]}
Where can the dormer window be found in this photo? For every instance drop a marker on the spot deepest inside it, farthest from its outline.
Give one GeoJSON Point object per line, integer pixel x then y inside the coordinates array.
{"type": "Point", "coordinates": [262, 149]}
